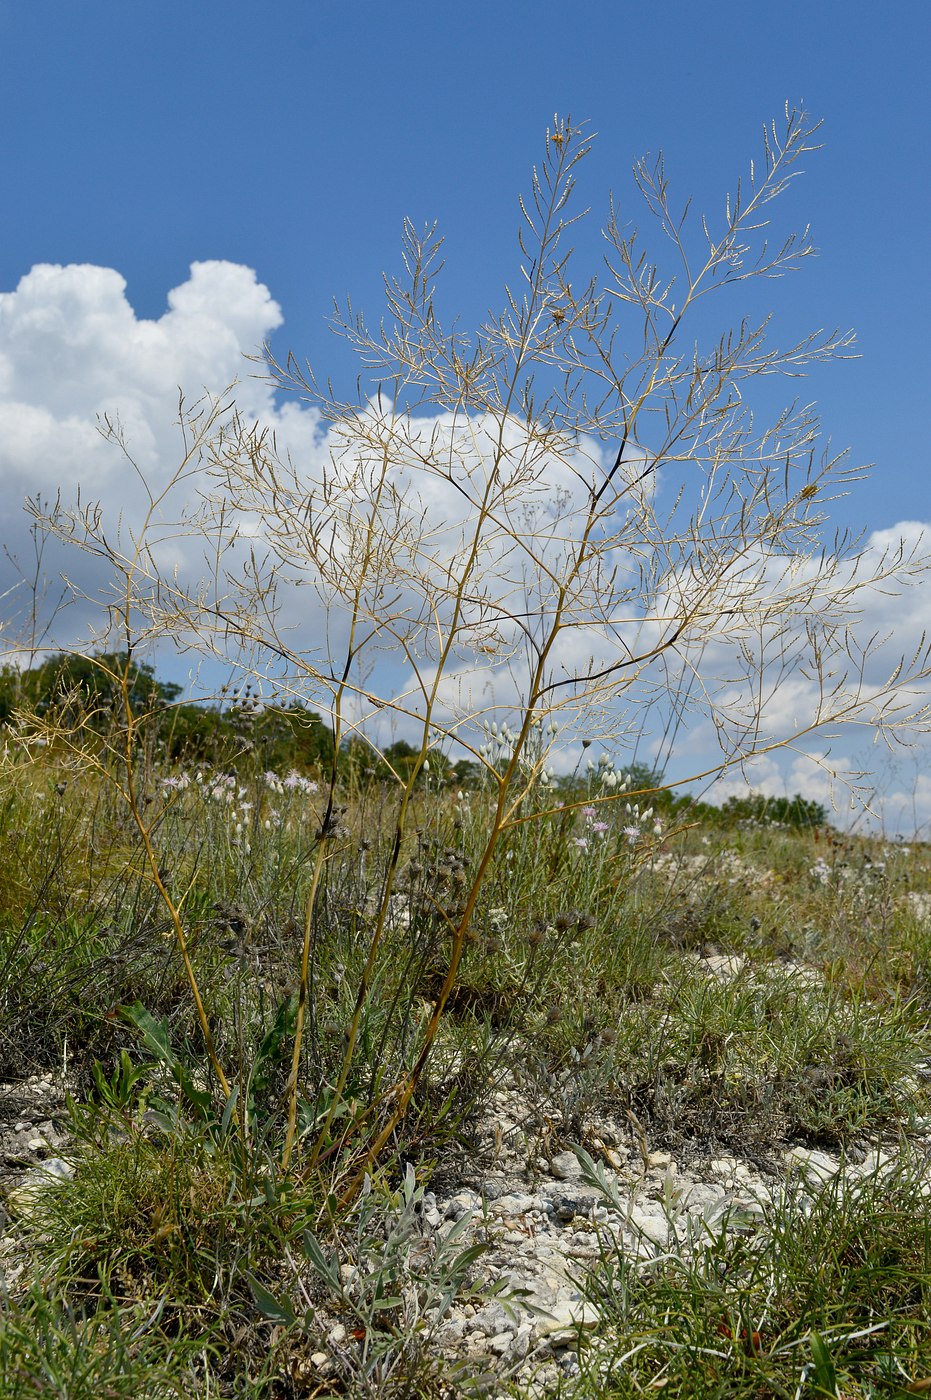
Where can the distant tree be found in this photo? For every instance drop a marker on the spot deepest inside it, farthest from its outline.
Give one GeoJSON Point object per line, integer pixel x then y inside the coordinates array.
{"type": "Point", "coordinates": [278, 738]}
{"type": "Point", "coordinates": [11, 692]}
{"type": "Point", "coordinates": [295, 737]}
{"type": "Point", "coordinates": [91, 682]}
{"type": "Point", "coordinates": [395, 760]}
{"type": "Point", "coordinates": [401, 756]}
{"type": "Point", "coordinates": [465, 773]}
{"type": "Point", "coordinates": [642, 777]}
{"type": "Point", "coordinates": [798, 811]}
{"type": "Point", "coordinates": [198, 734]}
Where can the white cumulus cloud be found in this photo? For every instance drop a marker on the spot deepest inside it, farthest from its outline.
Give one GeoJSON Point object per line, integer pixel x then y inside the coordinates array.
{"type": "Point", "coordinates": [73, 352]}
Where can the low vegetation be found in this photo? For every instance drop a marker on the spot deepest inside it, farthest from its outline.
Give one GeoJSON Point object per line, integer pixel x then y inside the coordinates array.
{"type": "Point", "coordinates": [158, 1269]}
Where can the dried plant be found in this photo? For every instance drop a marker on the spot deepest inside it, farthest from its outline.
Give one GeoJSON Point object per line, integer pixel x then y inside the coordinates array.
{"type": "Point", "coordinates": [563, 525]}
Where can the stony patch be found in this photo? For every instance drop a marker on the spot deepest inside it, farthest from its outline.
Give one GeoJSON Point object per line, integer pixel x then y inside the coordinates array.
{"type": "Point", "coordinates": [542, 1219]}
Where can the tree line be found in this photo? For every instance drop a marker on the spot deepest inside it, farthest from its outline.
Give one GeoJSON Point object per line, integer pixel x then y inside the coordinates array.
{"type": "Point", "coordinates": [283, 736]}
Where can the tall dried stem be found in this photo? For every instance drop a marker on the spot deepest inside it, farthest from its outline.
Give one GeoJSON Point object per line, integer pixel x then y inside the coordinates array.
{"type": "Point", "coordinates": [564, 525]}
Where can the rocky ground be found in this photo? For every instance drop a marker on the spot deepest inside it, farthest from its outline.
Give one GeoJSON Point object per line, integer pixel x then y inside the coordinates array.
{"type": "Point", "coordinates": [33, 1131]}
{"type": "Point", "coordinates": [543, 1217]}
{"type": "Point", "coordinates": [548, 1223]}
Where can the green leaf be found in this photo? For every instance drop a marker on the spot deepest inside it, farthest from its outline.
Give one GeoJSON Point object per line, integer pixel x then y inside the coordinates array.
{"type": "Point", "coordinates": [229, 1109]}
{"type": "Point", "coordinates": [467, 1257]}
{"type": "Point", "coordinates": [154, 1033]}
{"type": "Point", "coordinates": [325, 1267]}
{"type": "Point", "coordinates": [459, 1228]}
{"type": "Point", "coordinates": [163, 1115]}
{"type": "Point", "coordinates": [270, 1306]}
{"type": "Point", "coordinates": [272, 1050]}
{"type": "Point", "coordinates": [825, 1373]}
{"type": "Point", "coordinates": [199, 1099]}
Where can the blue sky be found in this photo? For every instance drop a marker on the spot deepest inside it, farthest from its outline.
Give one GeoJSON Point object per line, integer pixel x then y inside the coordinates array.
{"type": "Point", "coordinates": [294, 138]}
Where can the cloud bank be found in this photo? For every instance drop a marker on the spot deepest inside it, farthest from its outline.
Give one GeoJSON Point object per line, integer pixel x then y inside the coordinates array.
{"type": "Point", "coordinates": [73, 353]}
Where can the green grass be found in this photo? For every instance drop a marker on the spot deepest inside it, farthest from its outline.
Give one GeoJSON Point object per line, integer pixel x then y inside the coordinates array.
{"type": "Point", "coordinates": [47, 1349]}
{"type": "Point", "coordinates": [829, 1295]}
{"type": "Point", "coordinates": [588, 970]}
